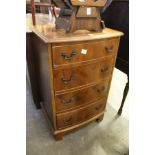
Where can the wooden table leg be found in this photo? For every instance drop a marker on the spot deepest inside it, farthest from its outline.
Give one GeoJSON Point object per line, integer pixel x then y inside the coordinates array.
{"type": "Point", "coordinates": [124, 97]}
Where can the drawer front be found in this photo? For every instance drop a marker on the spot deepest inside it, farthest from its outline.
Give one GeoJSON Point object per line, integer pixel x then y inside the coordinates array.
{"type": "Point", "coordinates": [83, 52]}
{"type": "Point", "coordinates": [80, 115]}
{"type": "Point", "coordinates": [75, 99]}
{"type": "Point", "coordinates": [82, 75]}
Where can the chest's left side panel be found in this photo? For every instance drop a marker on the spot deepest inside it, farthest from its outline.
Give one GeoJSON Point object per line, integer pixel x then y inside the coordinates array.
{"type": "Point", "coordinates": [44, 77]}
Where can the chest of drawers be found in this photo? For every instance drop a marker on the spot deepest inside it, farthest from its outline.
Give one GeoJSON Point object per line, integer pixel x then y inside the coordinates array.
{"type": "Point", "coordinates": [74, 73]}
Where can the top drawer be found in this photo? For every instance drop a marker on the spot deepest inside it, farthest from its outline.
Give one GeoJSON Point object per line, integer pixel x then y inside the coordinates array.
{"type": "Point", "coordinates": [67, 54]}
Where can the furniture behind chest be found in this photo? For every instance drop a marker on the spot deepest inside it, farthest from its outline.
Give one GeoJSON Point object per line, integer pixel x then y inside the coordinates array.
{"type": "Point", "coordinates": [74, 71]}
{"type": "Point", "coordinates": [117, 17]}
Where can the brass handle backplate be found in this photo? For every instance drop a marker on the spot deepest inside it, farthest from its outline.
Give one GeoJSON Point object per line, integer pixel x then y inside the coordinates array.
{"type": "Point", "coordinates": [67, 101]}
{"type": "Point", "coordinates": [66, 57]}
{"type": "Point", "coordinates": [99, 107]}
{"type": "Point", "coordinates": [68, 120]}
{"type": "Point", "coordinates": [105, 69]}
{"type": "Point", "coordinates": [67, 80]}
{"type": "Point", "coordinates": [109, 49]}
{"type": "Point", "coordinates": [100, 90]}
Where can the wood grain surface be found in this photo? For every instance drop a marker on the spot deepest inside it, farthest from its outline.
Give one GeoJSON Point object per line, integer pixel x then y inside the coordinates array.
{"type": "Point", "coordinates": [100, 3]}
{"type": "Point", "coordinates": [49, 35]}
{"type": "Point", "coordinates": [80, 115]}
{"type": "Point", "coordinates": [70, 78]}
{"type": "Point", "coordinates": [74, 73]}
{"type": "Point", "coordinates": [74, 99]}
{"type": "Point", "coordinates": [69, 54]}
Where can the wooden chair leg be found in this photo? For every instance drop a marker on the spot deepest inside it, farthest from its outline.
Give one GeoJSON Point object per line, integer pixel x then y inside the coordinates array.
{"type": "Point", "coordinates": [124, 97]}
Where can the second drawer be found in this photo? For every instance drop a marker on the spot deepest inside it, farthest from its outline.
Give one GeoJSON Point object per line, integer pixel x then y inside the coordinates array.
{"type": "Point", "coordinates": [76, 77]}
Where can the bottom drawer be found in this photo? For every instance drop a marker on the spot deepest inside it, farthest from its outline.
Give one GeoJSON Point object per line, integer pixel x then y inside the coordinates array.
{"type": "Point", "coordinates": [80, 115]}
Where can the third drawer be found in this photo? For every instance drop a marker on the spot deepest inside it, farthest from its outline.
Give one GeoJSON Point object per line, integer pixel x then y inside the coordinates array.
{"type": "Point", "coordinates": [81, 97]}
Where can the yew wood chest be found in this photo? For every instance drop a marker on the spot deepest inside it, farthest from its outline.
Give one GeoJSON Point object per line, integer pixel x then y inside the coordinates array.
{"type": "Point", "coordinates": [74, 73]}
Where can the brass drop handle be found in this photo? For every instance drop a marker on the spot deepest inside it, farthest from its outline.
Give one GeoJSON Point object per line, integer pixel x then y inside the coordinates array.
{"type": "Point", "coordinates": [104, 70]}
{"type": "Point", "coordinates": [98, 107]}
{"type": "Point", "coordinates": [109, 49]}
{"type": "Point", "coordinates": [100, 90]}
{"type": "Point", "coordinates": [67, 120]}
{"type": "Point", "coordinates": [68, 101]}
{"type": "Point", "coordinates": [66, 57]}
{"type": "Point", "coordinates": [67, 81]}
